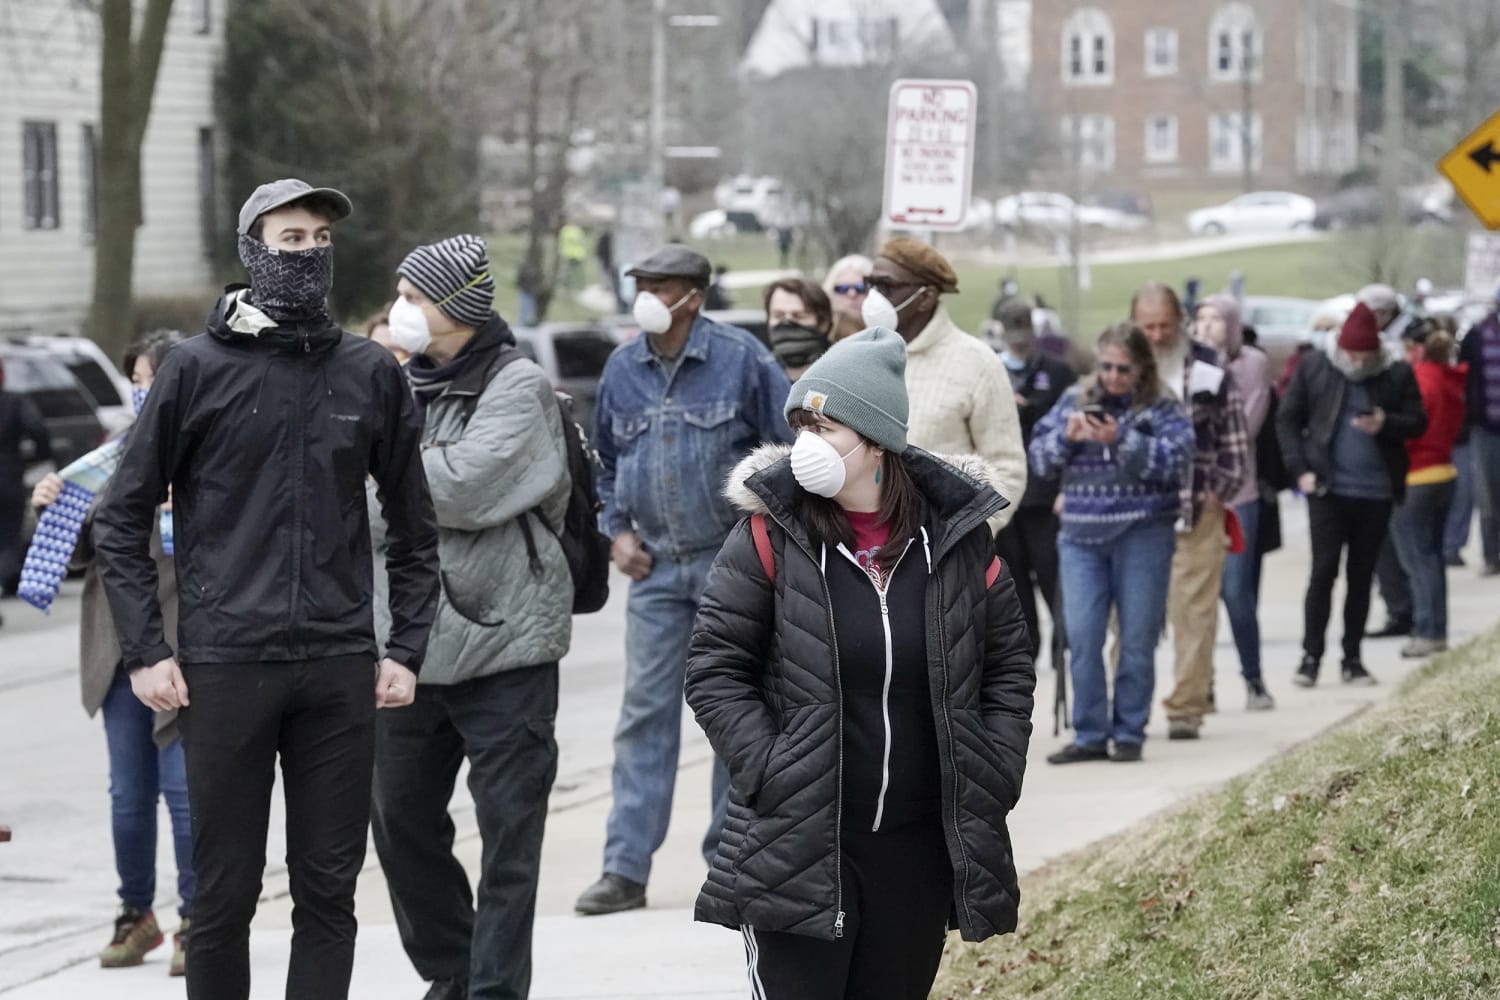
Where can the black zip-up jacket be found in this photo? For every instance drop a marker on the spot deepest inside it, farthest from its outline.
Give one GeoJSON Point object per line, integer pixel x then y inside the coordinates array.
{"type": "Point", "coordinates": [266, 434]}
{"type": "Point", "coordinates": [1476, 392]}
{"type": "Point", "coordinates": [1041, 383]}
{"type": "Point", "coordinates": [1306, 417]}
{"type": "Point", "coordinates": [765, 682]}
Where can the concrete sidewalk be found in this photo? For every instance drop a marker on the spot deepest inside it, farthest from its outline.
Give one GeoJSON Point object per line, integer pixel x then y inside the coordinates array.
{"type": "Point", "coordinates": [661, 953]}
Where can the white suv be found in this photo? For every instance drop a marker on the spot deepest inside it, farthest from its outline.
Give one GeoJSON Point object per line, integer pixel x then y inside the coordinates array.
{"type": "Point", "coordinates": [96, 373]}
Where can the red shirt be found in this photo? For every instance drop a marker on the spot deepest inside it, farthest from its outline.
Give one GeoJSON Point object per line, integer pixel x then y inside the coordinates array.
{"type": "Point", "coordinates": [870, 536]}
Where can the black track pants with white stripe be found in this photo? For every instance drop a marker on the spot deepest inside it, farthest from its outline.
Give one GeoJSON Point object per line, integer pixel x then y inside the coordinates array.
{"type": "Point", "coordinates": [898, 890]}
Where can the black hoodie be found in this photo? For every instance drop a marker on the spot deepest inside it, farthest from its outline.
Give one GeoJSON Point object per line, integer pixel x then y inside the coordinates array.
{"type": "Point", "coordinates": [266, 434]}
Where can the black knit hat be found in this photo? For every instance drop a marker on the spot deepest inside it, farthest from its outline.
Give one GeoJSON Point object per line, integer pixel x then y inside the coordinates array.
{"type": "Point", "coordinates": [455, 274]}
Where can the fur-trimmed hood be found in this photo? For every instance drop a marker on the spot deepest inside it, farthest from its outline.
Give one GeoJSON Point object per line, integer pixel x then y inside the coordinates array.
{"type": "Point", "coordinates": [961, 490]}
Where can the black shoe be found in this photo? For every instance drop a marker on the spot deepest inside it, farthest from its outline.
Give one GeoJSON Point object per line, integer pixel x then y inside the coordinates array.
{"type": "Point", "coordinates": [1454, 561]}
{"type": "Point", "coordinates": [1391, 629]}
{"type": "Point", "coordinates": [1181, 729]}
{"type": "Point", "coordinates": [448, 989]}
{"type": "Point", "coordinates": [1125, 753]}
{"type": "Point", "coordinates": [611, 894]}
{"type": "Point", "coordinates": [1075, 754]}
{"type": "Point", "coordinates": [1355, 674]}
{"type": "Point", "coordinates": [1490, 569]}
{"type": "Point", "coordinates": [1307, 674]}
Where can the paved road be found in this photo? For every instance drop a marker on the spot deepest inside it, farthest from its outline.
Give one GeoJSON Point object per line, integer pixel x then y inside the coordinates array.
{"type": "Point", "coordinates": [57, 879]}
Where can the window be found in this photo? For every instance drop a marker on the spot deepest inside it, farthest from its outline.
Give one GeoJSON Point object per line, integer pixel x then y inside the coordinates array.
{"type": "Point", "coordinates": [1090, 140]}
{"type": "Point", "coordinates": [1088, 48]}
{"type": "Point", "coordinates": [1227, 136]}
{"type": "Point", "coordinates": [208, 190]}
{"type": "Point", "coordinates": [39, 174]}
{"type": "Point", "coordinates": [854, 40]}
{"type": "Point", "coordinates": [203, 16]}
{"type": "Point", "coordinates": [1161, 139]}
{"type": "Point", "coordinates": [1234, 44]}
{"type": "Point", "coordinates": [582, 354]}
{"type": "Point", "coordinates": [93, 379]}
{"type": "Point", "coordinates": [89, 167]}
{"type": "Point", "coordinates": [1161, 52]}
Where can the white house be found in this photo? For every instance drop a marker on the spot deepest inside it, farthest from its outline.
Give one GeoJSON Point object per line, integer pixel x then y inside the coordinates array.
{"type": "Point", "coordinates": [794, 34]}
{"type": "Point", "coordinates": [49, 119]}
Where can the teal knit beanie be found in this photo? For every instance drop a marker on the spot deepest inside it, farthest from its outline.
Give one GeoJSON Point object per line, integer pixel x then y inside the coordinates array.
{"type": "Point", "coordinates": [861, 383]}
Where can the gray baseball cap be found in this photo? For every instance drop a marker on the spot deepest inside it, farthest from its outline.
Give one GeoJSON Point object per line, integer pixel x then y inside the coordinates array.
{"type": "Point", "coordinates": [275, 194]}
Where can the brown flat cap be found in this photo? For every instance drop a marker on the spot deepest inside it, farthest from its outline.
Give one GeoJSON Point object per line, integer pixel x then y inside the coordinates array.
{"type": "Point", "coordinates": [926, 264]}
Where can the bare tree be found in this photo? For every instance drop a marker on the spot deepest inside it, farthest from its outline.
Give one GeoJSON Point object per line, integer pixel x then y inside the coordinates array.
{"type": "Point", "coordinates": [130, 56]}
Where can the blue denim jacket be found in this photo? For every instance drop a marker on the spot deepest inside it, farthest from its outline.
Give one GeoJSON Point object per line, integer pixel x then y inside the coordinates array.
{"type": "Point", "coordinates": [667, 444]}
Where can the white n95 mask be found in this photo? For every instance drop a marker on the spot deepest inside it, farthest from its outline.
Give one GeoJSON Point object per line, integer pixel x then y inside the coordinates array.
{"type": "Point", "coordinates": [409, 329]}
{"type": "Point", "coordinates": [818, 466]}
{"type": "Point", "coordinates": [878, 310]}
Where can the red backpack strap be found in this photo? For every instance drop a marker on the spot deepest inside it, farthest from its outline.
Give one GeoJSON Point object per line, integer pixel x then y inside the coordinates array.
{"type": "Point", "coordinates": [763, 545]}
{"type": "Point", "coordinates": [992, 574]}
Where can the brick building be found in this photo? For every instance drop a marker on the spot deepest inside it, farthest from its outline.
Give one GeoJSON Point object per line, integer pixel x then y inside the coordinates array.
{"type": "Point", "coordinates": [1174, 93]}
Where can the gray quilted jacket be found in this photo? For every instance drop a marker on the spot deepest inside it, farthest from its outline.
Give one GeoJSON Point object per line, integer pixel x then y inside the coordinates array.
{"type": "Point", "coordinates": [494, 454]}
{"type": "Point", "coordinates": [763, 682]}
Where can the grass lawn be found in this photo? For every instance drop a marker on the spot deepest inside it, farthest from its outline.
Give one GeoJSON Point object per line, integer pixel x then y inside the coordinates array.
{"type": "Point", "coordinates": [1364, 864]}
{"type": "Point", "coordinates": [1315, 270]}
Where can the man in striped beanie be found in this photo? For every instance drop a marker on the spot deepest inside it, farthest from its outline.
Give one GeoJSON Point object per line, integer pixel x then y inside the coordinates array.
{"type": "Point", "coordinates": [496, 463]}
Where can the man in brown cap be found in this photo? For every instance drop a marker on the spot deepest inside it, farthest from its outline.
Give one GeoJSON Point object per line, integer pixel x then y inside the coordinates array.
{"type": "Point", "coordinates": [961, 400]}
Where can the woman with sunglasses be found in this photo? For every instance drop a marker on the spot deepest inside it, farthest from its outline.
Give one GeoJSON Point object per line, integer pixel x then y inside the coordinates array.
{"type": "Point", "coordinates": [846, 287]}
{"type": "Point", "coordinates": [1121, 447]}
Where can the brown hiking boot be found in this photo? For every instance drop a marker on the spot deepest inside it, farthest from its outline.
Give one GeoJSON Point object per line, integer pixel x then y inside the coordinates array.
{"type": "Point", "coordinates": [179, 951]}
{"type": "Point", "coordinates": [136, 934]}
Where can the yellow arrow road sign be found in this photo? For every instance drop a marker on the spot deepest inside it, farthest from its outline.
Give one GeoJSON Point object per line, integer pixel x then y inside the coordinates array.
{"type": "Point", "coordinates": [1473, 167]}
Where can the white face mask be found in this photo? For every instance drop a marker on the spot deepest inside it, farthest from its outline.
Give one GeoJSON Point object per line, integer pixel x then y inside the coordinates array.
{"type": "Point", "coordinates": [878, 310]}
{"type": "Point", "coordinates": [652, 314]}
{"type": "Point", "coordinates": [818, 466]}
{"type": "Point", "coordinates": [409, 329]}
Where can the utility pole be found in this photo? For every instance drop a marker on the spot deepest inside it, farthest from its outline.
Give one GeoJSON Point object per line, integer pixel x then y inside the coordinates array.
{"type": "Point", "coordinates": [658, 168]}
{"type": "Point", "coordinates": [1393, 130]}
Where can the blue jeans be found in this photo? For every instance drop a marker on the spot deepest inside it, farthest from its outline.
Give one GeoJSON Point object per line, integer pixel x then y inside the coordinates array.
{"type": "Point", "coordinates": [1130, 573]}
{"type": "Point", "coordinates": [1485, 447]}
{"type": "Point", "coordinates": [1240, 591]}
{"type": "Point", "coordinates": [1417, 526]}
{"type": "Point", "coordinates": [1461, 514]}
{"type": "Point", "coordinates": [659, 617]}
{"type": "Point", "coordinates": [139, 775]}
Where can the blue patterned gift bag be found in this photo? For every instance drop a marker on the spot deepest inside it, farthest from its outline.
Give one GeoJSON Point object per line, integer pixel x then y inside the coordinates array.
{"type": "Point", "coordinates": [58, 528]}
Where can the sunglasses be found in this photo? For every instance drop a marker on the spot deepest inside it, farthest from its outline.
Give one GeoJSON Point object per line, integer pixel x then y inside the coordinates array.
{"type": "Point", "coordinates": [858, 289]}
{"type": "Point", "coordinates": [1109, 366]}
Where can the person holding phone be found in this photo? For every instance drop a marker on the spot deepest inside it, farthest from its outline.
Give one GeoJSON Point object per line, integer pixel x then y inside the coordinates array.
{"type": "Point", "coordinates": [1343, 427]}
{"type": "Point", "coordinates": [1122, 447]}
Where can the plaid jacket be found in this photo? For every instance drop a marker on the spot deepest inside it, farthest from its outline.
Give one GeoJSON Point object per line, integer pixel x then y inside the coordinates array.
{"type": "Point", "coordinates": [1222, 451]}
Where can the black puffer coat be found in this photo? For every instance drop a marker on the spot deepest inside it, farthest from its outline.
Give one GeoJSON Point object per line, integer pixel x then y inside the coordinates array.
{"type": "Point", "coordinates": [763, 681]}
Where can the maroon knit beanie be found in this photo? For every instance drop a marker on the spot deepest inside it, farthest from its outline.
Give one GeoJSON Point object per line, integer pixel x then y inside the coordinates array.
{"type": "Point", "coordinates": [1360, 332]}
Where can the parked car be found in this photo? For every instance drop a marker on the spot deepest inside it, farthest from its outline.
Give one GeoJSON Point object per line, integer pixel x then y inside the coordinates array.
{"type": "Point", "coordinates": [67, 410]}
{"type": "Point", "coordinates": [753, 320]}
{"type": "Point", "coordinates": [1259, 211]}
{"type": "Point", "coordinates": [715, 224]}
{"type": "Point", "coordinates": [1281, 324]}
{"type": "Point", "coordinates": [1050, 212]}
{"type": "Point", "coordinates": [573, 356]}
{"type": "Point", "coordinates": [1130, 202]}
{"type": "Point", "coordinates": [1363, 206]}
{"type": "Point", "coordinates": [104, 383]}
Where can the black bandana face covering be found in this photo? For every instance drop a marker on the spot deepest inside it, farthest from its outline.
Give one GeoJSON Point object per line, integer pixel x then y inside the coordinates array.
{"type": "Point", "coordinates": [288, 285]}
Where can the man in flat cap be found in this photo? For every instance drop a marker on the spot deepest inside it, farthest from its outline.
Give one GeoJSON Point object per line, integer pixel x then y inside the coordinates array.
{"type": "Point", "coordinates": [678, 408]}
{"type": "Point", "coordinates": [961, 399]}
{"type": "Point", "coordinates": [265, 431]}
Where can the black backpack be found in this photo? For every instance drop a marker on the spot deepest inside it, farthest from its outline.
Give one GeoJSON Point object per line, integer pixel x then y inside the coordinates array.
{"type": "Point", "coordinates": [584, 546]}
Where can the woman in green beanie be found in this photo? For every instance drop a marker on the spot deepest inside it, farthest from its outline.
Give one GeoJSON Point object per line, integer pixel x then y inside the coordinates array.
{"type": "Point", "coordinates": [861, 663]}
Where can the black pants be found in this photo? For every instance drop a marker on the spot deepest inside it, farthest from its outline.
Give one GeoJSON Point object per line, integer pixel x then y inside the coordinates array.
{"type": "Point", "coordinates": [503, 724]}
{"type": "Point", "coordinates": [898, 891]}
{"type": "Point", "coordinates": [1338, 523]}
{"type": "Point", "coordinates": [1391, 579]}
{"type": "Point", "coordinates": [1028, 545]}
{"type": "Point", "coordinates": [319, 716]}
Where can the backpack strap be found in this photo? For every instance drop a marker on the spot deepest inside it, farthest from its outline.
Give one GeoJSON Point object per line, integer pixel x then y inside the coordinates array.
{"type": "Point", "coordinates": [993, 573]}
{"type": "Point", "coordinates": [763, 545]}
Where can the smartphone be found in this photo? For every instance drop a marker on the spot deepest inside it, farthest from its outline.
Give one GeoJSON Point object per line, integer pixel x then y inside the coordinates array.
{"type": "Point", "coordinates": [1367, 412]}
{"type": "Point", "coordinates": [1094, 413]}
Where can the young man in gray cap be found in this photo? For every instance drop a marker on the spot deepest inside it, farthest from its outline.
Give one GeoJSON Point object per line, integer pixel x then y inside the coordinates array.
{"type": "Point", "coordinates": [496, 458]}
{"type": "Point", "coordinates": [678, 408]}
{"type": "Point", "coordinates": [265, 431]}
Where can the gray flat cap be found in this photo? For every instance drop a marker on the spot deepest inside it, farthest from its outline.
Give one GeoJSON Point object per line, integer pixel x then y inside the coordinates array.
{"type": "Point", "coordinates": [274, 195]}
{"type": "Point", "coordinates": [674, 261]}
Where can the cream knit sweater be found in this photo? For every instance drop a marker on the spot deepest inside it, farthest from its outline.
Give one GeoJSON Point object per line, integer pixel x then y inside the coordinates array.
{"type": "Point", "coordinates": [961, 403]}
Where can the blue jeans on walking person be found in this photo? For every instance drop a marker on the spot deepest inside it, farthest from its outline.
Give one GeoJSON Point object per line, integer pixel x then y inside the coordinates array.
{"type": "Point", "coordinates": [1417, 526]}
{"type": "Point", "coordinates": [1130, 573]}
{"type": "Point", "coordinates": [1240, 591]}
{"type": "Point", "coordinates": [1461, 513]}
{"type": "Point", "coordinates": [659, 617]}
{"type": "Point", "coordinates": [140, 774]}
{"type": "Point", "coordinates": [1485, 448]}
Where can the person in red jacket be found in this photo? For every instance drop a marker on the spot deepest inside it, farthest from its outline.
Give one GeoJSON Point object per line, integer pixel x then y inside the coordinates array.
{"type": "Point", "coordinates": [1418, 521]}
